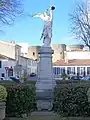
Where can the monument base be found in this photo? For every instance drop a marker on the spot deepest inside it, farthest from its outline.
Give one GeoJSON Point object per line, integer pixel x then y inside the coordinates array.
{"type": "Point", "coordinates": [44, 99]}
{"type": "Point", "coordinates": [45, 83]}
{"type": "Point", "coordinates": [44, 105]}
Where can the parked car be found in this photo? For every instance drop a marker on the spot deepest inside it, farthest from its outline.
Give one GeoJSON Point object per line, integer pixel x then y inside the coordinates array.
{"type": "Point", "coordinates": [16, 79]}
{"type": "Point", "coordinates": [4, 78]}
{"type": "Point", "coordinates": [32, 74]}
{"type": "Point", "coordinates": [76, 77]}
{"type": "Point", "coordinates": [86, 78]}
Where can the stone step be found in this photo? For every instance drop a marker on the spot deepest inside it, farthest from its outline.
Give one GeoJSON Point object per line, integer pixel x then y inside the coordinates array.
{"type": "Point", "coordinates": [43, 113]}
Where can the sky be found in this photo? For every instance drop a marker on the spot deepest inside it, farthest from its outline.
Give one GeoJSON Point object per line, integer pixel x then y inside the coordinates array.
{"type": "Point", "coordinates": [27, 29]}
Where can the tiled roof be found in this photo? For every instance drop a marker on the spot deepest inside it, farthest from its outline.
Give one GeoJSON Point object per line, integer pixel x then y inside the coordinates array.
{"type": "Point", "coordinates": [73, 62]}
{"type": "Point", "coordinates": [6, 57]}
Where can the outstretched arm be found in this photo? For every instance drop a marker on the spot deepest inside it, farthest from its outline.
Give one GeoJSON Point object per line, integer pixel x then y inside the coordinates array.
{"type": "Point", "coordinates": [51, 12]}
{"type": "Point", "coordinates": [36, 15]}
{"type": "Point", "coordinates": [39, 15]}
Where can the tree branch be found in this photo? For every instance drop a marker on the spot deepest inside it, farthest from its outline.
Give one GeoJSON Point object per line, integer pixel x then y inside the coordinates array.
{"type": "Point", "coordinates": [81, 24]}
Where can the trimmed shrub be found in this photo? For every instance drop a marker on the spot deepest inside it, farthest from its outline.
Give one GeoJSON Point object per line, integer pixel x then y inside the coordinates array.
{"type": "Point", "coordinates": [3, 94]}
{"type": "Point", "coordinates": [30, 82]}
{"type": "Point", "coordinates": [7, 82]}
{"type": "Point", "coordinates": [72, 81]}
{"type": "Point", "coordinates": [71, 100]}
{"type": "Point", "coordinates": [21, 99]}
{"type": "Point", "coordinates": [64, 76]}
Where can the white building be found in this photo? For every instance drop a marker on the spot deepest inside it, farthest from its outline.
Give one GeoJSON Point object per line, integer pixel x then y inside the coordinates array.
{"type": "Point", "coordinates": [28, 65]}
{"type": "Point", "coordinates": [11, 56]}
{"type": "Point", "coordinates": [32, 66]}
{"type": "Point", "coordinates": [10, 49]}
{"type": "Point", "coordinates": [7, 64]}
{"type": "Point", "coordinates": [24, 49]}
{"type": "Point", "coordinates": [77, 54]}
{"type": "Point", "coordinates": [74, 66]}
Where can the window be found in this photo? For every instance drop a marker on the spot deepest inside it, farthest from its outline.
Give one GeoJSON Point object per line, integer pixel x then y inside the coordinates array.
{"type": "Point", "coordinates": [58, 70]}
{"type": "Point", "coordinates": [88, 70]}
{"type": "Point", "coordinates": [68, 70]}
{"type": "Point", "coordinates": [72, 70]}
{"type": "Point", "coordinates": [82, 70]}
{"type": "Point", "coordinates": [33, 53]}
{"type": "Point", "coordinates": [78, 70]}
{"type": "Point", "coordinates": [0, 64]}
{"type": "Point", "coordinates": [55, 72]}
{"type": "Point", "coordinates": [62, 70]}
{"type": "Point", "coordinates": [10, 71]}
{"type": "Point", "coordinates": [3, 75]}
{"type": "Point", "coordinates": [22, 54]}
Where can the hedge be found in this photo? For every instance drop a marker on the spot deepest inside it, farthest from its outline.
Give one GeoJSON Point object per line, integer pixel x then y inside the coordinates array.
{"type": "Point", "coordinates": [30, 82]}
{"type": "Point", "coordinates": [72, 81]}
{"type": "Point", "coordinates": [21, 100]}
{"type": "Point", "coordinates": [7, 82]}
{"type": "Point", "coordinates": [71, 100]}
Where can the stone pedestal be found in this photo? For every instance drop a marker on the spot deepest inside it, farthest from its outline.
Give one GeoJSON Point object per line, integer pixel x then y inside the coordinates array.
{"type": "Point", "coordinates": [45, 83]}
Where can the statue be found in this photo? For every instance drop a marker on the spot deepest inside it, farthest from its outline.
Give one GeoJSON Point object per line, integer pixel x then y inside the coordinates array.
{"type": "Point", "coordinates": [47, 29]}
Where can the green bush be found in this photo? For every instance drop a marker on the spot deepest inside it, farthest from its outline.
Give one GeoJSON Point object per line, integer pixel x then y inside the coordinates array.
{"type": "Point", "coordinates": [64, 76]}
{"type": "Point", "coordinates": [3, 93]}
{"type": "Point", "coordinates": [73, 82]}
{"type": "Point", "coordinates": [21, 99]}
{"type": "Point", "coordinates": [71, 100]}
{"type": "Point", "coordinates": [7, 82]}
{"type": "Point", "coordinates": [24, 78]}
{"type": "Point", "coordinates": [30, 82]}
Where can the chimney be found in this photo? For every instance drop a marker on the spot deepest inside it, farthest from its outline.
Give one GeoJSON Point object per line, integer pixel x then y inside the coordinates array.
{"type": "Point", "coordinates": [13, 42]}
{"type": "Point", "coordinates": [66, 59]}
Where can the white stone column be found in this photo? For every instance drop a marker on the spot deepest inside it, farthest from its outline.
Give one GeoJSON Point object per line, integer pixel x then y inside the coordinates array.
{"type": "Point", "coordinates": [66, 69]}
{"type": "Point", "coordinates": [45, 83]}
{"type": "Point", "coordinates": [75, 70]}
{"type": "Point", "coordinates": [45, 77]}
{"type": "Point", "coordinates": [86, 70]}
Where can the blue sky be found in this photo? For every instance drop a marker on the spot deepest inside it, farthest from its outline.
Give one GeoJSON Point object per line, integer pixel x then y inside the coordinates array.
{"type": "Point", "coordinates": [26, 29]}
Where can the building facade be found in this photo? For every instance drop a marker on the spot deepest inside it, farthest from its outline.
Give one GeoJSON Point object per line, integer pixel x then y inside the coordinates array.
{"type": "Point", "coordinates": [33, 52]}
{"type": "Point", "coordinates": [58, 51]}
{"type": "Point", "coordinates": [77, 54]}
{"type": "Point", "coordinates": [28, 66]}
{"type": "Point", "coordinates": [11, 58]}
{"type": "Point", "coordinates": [7, 66]}
{"type": "Point", "coordinates": [24, 49]}
{"type": "Point", "coordinates": [11, 50]}
{"type": "Point", "coordinates": [74, 66]}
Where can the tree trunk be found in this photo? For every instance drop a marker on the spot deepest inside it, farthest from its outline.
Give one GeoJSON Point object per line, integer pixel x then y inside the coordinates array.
{"type": "Point", "coordinates": [89, 48]}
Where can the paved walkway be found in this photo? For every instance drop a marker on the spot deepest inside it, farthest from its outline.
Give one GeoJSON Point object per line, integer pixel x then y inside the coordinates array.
{"type": "Point", "coordinates": [44, 115]}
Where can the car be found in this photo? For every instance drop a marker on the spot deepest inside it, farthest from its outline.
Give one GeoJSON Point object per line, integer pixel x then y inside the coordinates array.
{"type": "Point", "coordinates": [76, 77]}
{"type": "Point", "coordinates": [5, 78]}
{"type": "Point", "coordinates": [16, 79]}
{"type": "Point", "coordinates": [86, 78]}
{"type": "Point", "coordinates": [32, 74]}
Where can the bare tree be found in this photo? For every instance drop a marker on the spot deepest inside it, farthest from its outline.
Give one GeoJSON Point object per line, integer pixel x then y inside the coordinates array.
{"type": "Point", "coordinates": [9, 9]}
{"type": "Point", "coordinates": [80, 19]}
